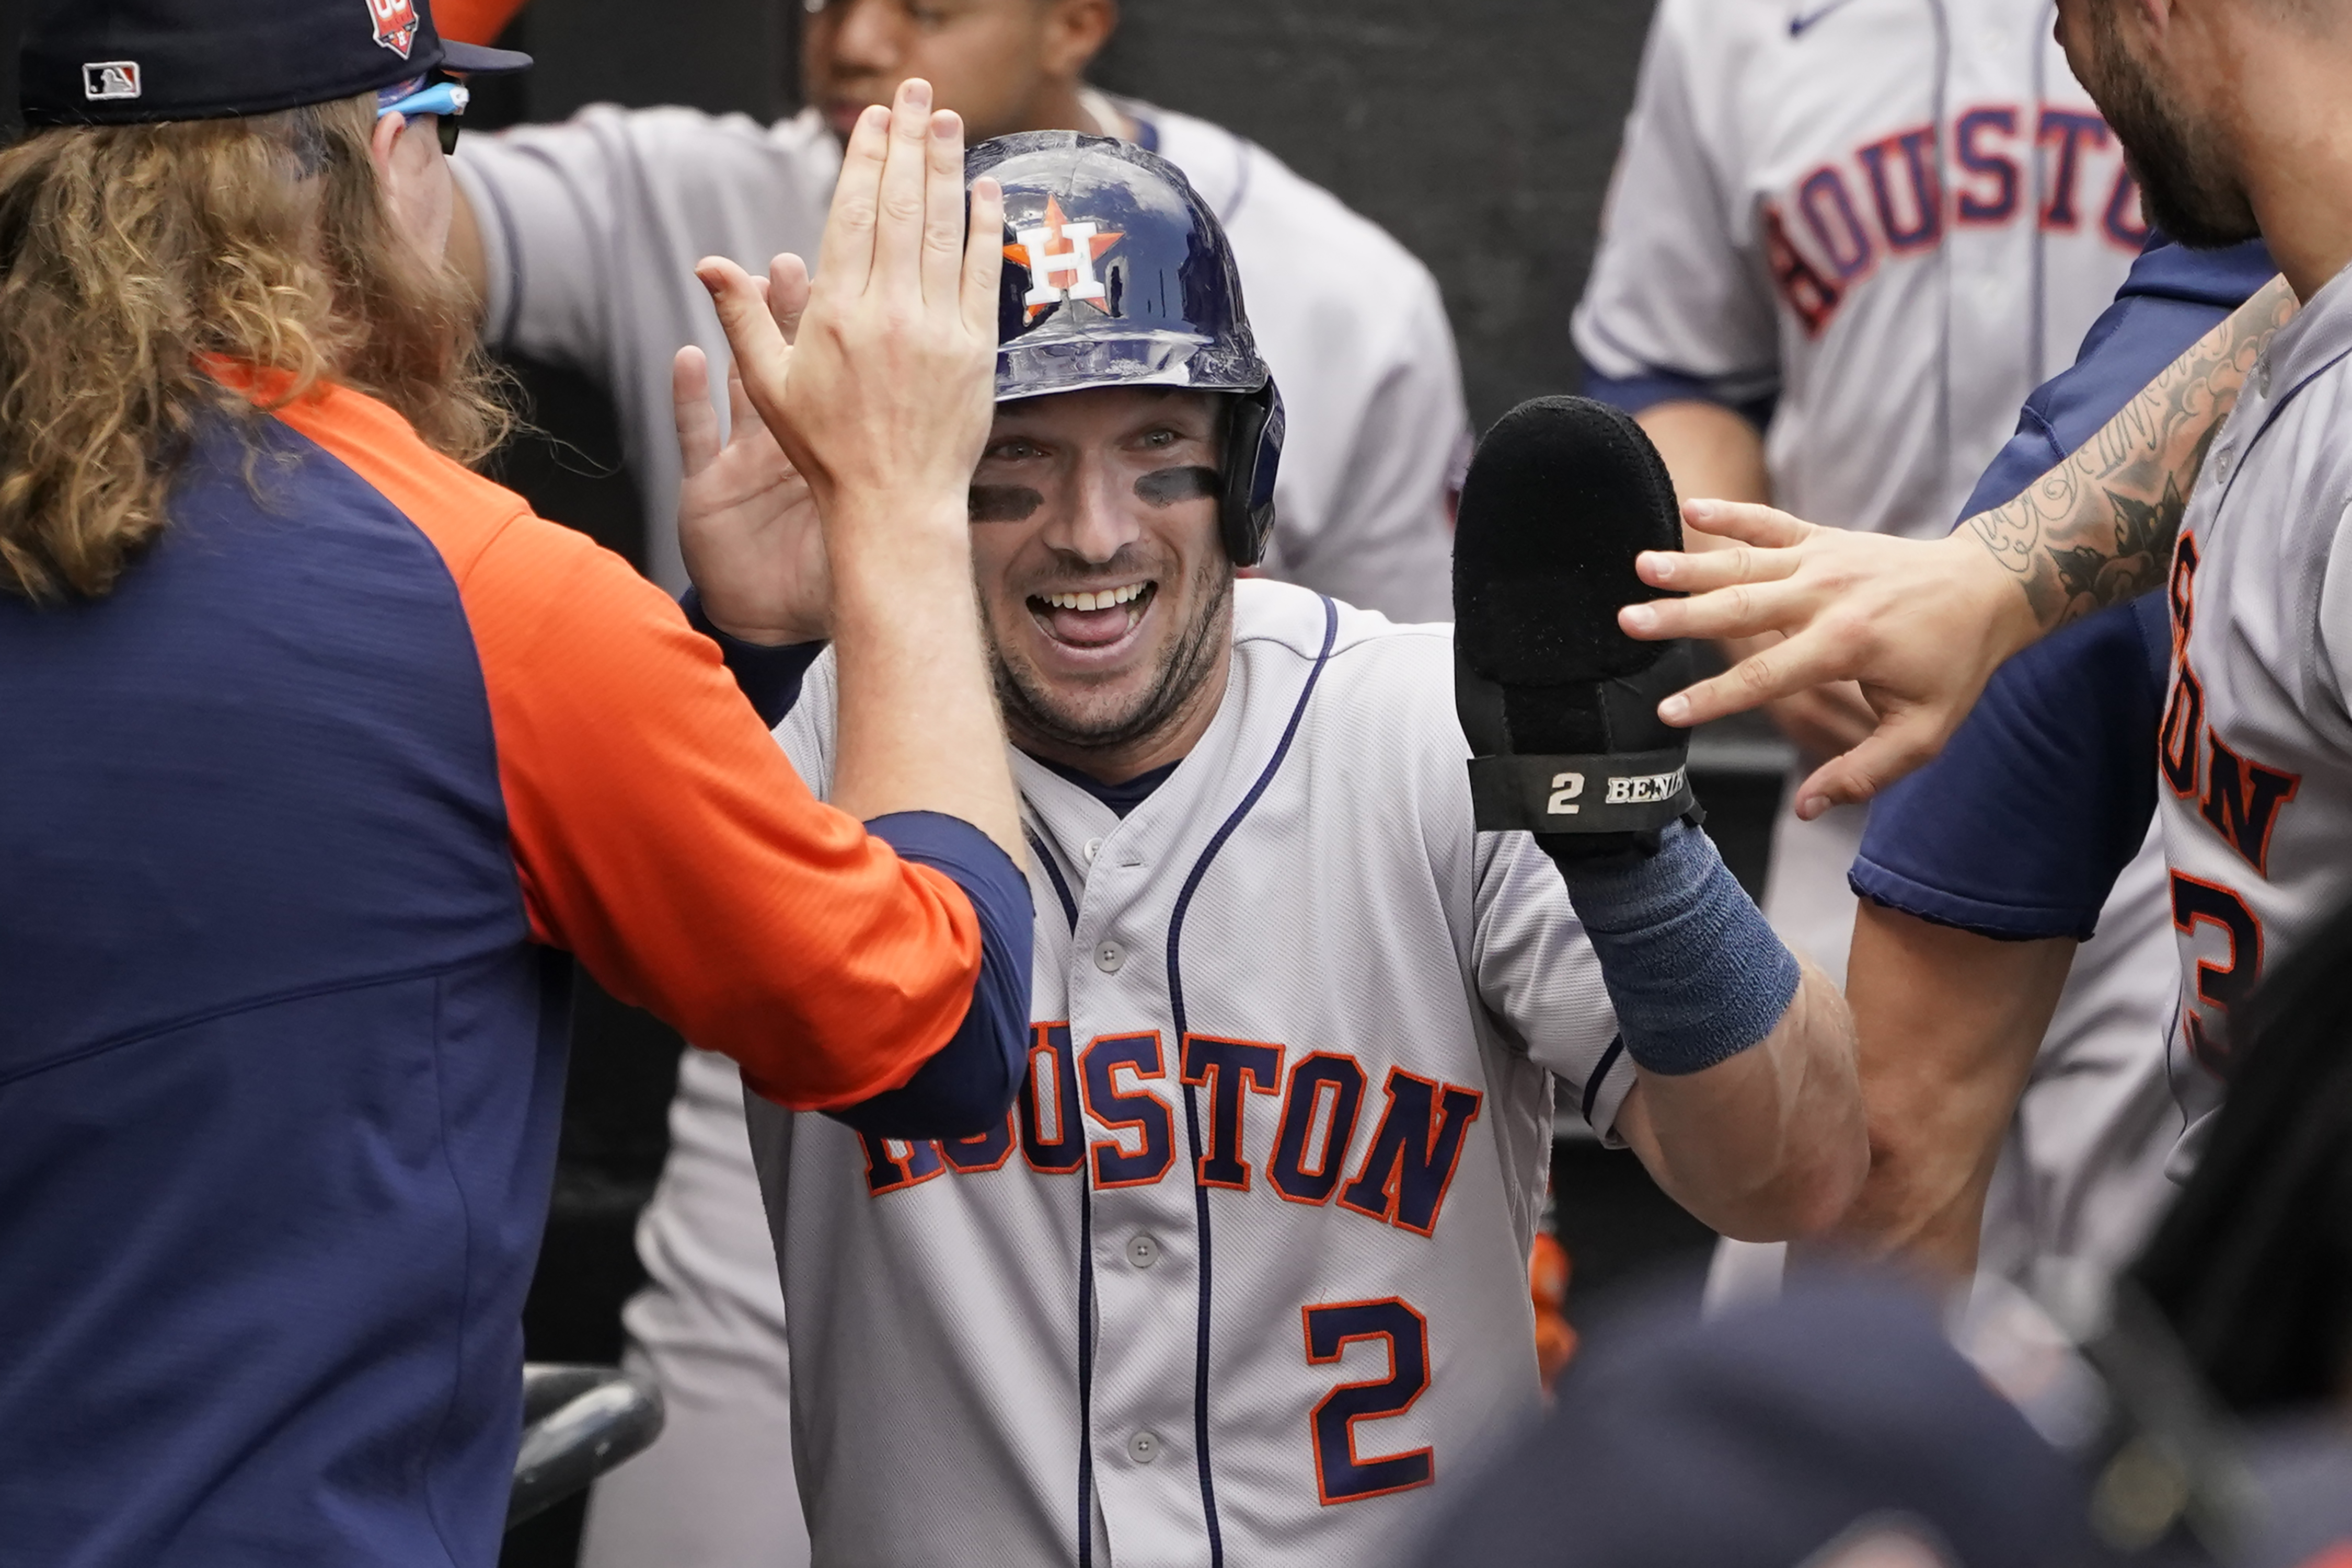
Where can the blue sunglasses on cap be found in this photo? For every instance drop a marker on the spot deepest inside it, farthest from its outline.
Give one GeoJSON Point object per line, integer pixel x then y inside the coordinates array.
{"type": "Point", "coordinates": [445, 101]}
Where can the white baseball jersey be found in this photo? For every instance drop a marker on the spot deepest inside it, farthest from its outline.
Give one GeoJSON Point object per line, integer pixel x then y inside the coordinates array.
{"type": "Point", "coordinates": [1242, 1279]}
{"type": "Point", "coordinates": [591, 230]}
{"type": "Point", "coordinates": [2256, 746]}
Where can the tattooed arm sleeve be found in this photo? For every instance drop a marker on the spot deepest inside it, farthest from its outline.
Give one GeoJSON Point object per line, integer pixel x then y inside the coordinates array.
{"type": "Point", "coordinates": [2098, 529]}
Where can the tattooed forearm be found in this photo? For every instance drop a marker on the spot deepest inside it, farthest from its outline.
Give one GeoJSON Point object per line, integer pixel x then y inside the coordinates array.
{"type": "Point", "coordinates": [2098, 529]}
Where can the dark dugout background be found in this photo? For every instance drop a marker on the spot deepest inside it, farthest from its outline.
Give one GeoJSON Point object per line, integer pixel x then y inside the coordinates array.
{"type": "Point", "coordinates": [1480, 132]}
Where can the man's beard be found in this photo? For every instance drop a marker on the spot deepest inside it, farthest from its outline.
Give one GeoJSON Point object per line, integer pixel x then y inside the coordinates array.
{"type": "Point", "coordinates": [2181, 173]}
{"type": "Point", "coordinates": [1190, 656]}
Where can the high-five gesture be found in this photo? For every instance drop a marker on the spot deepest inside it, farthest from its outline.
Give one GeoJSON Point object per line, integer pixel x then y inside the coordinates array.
{"type": "Point", "coordinates": [746, 524]}
{"type": "Point", "coordinates": [878, 381]}
{"type": "Point", "coordinates": [881, 387]}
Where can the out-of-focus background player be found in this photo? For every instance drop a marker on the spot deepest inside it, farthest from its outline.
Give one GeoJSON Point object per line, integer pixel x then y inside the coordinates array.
{"type": "Point", "coordinates": [1842, 244]}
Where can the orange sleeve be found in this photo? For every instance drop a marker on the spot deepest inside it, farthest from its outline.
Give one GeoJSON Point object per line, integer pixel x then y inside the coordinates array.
{"type": "Point", "coordinates": [660, 835]}
{"type": "Point", "coordinates": [663, 838]}
{"type": "Point", "coordinates": [473, 21]}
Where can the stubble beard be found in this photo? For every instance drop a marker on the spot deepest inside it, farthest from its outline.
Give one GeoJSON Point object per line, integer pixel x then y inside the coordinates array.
{"type": "Point", "coordinates": [2184, 188]}
{"type": "Point", "coordinates": [1030, 713]}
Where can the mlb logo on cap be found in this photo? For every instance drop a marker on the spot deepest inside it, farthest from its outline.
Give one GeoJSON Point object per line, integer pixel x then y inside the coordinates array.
{"type": "Point", "coordinates": [104, 80]}
{"type": "Point", "coordinates": [205, 59]}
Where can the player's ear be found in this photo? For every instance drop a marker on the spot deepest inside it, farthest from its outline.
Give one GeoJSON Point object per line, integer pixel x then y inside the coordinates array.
{"type": "Point", "coordinates": [380, 143]}
{"type": "Point", "coordinates": [1076, 32]}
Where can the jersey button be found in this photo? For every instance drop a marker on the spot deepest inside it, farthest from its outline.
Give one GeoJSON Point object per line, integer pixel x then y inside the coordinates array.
{"type": "Point", "coordinates": [1109, 956]}
{"type": "Point", "coordinates": [1143, 1448]}
{"type": "Point", "coordinates": [1142, 1250]}
{"type": "Point", "coordinates": [1093, 847]}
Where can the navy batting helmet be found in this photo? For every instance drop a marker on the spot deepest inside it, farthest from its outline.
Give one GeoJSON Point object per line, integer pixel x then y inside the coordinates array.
{"type": "Point", "coordinates": [1118, 274]}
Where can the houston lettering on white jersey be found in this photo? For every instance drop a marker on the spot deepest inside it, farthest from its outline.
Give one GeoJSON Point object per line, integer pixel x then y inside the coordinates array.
{"type": "Point", "coordinates": [2256, 745]}
{"type": "Point", "coordinates": [1243, 1277]}
{"type": "Point", "coordinates": [1893, 217]}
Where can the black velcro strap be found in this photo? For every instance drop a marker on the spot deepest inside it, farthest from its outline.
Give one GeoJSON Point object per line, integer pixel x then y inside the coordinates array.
{"type": "Point", "coordinates": [1626, 792]}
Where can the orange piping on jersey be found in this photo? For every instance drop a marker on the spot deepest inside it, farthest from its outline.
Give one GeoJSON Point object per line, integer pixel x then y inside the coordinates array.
{"type": "Point", "coordinates": [658, 832]}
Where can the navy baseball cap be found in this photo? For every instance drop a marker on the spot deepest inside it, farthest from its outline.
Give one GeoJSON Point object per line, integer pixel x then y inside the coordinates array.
{"type": "Point", "coordinates": [1835, 1425]}
{"type": "Point", "coordinates": [119, 62]}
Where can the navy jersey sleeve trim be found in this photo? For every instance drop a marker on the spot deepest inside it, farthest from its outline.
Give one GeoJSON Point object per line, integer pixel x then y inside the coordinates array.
{"type": "Point", "coordinates": [770, 678]}
{"type": "Point", "coordinates": [2001, 922]}
{"type": "Point", "coordinates": [1655, 385]}
{"type": "Point", "coordinates": [2042, 797]}
{"type": "Point", "coordinates": [967, 1086]}
{"type": "Point", "coordinates": [2172, 298]}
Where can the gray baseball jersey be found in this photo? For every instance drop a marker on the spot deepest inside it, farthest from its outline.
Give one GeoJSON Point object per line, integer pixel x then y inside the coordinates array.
{"type": "Point", "coordinates": [2256, 745]}
{"type": "Point", "coordinates": [1877, 225]}
{"type": "Point", "coordinates": [1890, 219]}
{"type": "Point", "coordinates": [591, 230]}
{"type": "Point", "coordinates": [1243, 1277]}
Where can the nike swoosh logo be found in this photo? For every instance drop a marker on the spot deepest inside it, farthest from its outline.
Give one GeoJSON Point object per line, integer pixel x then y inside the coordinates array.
{"type": "Point", "coordinates": [1797, 25]}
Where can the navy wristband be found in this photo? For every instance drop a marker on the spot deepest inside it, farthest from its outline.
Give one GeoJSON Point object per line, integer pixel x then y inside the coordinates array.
{"type": "Point", "coordinates": [1696, 975]}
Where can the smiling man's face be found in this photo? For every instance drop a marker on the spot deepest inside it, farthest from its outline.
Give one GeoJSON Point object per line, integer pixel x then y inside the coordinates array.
{"type": "Point", "coordinates": [1106, 587]}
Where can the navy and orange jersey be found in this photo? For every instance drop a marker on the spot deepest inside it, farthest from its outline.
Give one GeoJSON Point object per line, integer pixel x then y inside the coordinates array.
{"type": "Point", "coordinates": [300, 829]}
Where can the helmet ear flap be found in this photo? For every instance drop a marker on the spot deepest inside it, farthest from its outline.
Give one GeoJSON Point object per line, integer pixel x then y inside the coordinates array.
{"type": "Point", "coordinates": [1253, 451]}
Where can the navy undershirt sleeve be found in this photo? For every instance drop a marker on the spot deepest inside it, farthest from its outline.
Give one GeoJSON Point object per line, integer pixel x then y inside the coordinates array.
{"type": "Point", "coordinates": [1657, 385]}
{"type": "Point", "coordinates": [770, 678]}
{"type": "Point", "coordinates": [2021, 827]}
{"type": "Point", "coordinates": [966, 1087]}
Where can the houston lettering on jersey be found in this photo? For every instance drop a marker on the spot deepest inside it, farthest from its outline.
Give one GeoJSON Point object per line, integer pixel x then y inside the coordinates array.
{"type": "Point", "coordinates": [1101, 1106]}
{"type": "Point", "coordinates": [1887, 198]}
{"type": "Point", "coordinates": [2240, 800]}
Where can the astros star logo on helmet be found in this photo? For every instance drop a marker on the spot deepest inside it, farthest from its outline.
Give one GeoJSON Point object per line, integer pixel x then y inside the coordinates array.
{"type": "Point", "coordinates": [395, 24]}
{"type": "Point", "coordinates": [1061, 255]}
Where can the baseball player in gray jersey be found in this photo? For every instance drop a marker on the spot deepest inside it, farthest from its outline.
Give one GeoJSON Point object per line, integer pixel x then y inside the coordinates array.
{"type": "Point", "coordinates": [2255, 748]}
{"type": "Point", "coordinates": [1243, 1275]}
{"type": "Point", "coordinates": [1846, 238]}
{"type": "Point", "coordinates": [2235, 114]}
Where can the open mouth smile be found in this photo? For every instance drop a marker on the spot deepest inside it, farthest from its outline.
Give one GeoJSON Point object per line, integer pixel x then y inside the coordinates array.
{"type": "Point", "coordinates": [1094, 617]}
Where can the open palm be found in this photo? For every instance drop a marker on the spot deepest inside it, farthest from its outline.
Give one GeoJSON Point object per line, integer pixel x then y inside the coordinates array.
{"type": "Point", "coordinates": [747, 523]}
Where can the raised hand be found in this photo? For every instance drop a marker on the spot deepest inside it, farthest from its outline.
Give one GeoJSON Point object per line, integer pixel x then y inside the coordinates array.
{"type": "Point", "coordinates": [880, 392]}
{"type": "Point", "coordinates": [1920, 624]}
{"type": "Point", "coordinates": [884, 392]}
{"type": "Point", "coordinates": [1923, 625]}
{"type": "Point", "coordinates": [746, 522]}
